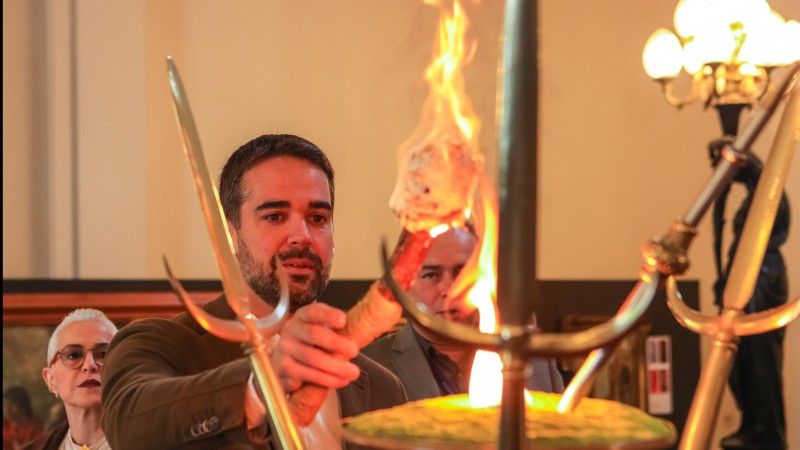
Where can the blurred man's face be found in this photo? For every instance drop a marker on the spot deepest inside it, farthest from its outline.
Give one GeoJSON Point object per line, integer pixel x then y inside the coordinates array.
{"type": "Point", "coordinates": [448, 254]}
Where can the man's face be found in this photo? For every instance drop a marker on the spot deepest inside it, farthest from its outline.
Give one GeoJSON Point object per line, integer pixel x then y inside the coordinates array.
{"type": "Point", "coordinates": [286, 218]}
{"type": "Point", "coordinates": [445, 259]}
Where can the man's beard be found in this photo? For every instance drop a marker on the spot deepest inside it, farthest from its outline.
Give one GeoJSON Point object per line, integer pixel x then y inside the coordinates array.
{"type": "Point", "coordinates": [302, 289]}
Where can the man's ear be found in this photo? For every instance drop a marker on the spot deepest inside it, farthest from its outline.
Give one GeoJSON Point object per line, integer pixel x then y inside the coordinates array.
{"type": "Point", "coordinates": [234, 236]}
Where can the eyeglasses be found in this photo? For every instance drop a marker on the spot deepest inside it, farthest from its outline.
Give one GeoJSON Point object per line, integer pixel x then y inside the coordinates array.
{"type": "Point", "coordinates": [72, 356]}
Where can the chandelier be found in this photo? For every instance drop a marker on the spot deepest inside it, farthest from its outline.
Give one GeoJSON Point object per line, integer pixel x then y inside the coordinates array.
{"type": "Point", "coordinates": [727, 47]}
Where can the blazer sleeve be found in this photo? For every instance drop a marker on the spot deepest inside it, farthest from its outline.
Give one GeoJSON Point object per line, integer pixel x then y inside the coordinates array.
{"type": "Point", "coordinates": [166, 387]}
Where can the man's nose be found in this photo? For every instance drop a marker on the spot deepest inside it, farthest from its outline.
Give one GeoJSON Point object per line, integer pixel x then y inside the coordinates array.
{"type": "Point", "coordinates": [446, 283]}
{"type": "Point", "coordinates": [299, 233]}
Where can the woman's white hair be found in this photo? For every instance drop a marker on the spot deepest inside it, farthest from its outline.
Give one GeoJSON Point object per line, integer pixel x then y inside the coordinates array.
{"type": "Point", "coordinates": [79, 315]}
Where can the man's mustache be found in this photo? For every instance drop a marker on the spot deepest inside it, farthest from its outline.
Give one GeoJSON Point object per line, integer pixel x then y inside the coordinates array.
{"type": "Point", "coordinates": [304, 253]}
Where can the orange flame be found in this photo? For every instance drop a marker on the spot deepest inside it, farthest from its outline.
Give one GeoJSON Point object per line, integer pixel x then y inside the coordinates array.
{"type": "Point", "coordinates": [477, 282]}
{"type": "Point", "coordinates": [448, 105]}
{"type": "Point", "coordinates": [447, 110]}
{"type": "Point", "coordinates": [448, 100]}
{"type": "Point", "coordinates": [478, 279]}
{"type": "Point", "coordinates": [440, 160]}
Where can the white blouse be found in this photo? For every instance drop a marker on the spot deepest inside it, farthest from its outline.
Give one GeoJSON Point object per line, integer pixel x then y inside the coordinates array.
{"type": "Point", "coordinates": [69, 444]}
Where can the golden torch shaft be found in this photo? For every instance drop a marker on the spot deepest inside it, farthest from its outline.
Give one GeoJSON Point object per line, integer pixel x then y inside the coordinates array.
{"type": "Point", "coordinates": [703, 412]}
{"type": "Point", "coordinates": [284, 431]}
{"type": "Point", "coordinates": [744, 273]}
{"type": "Point", "coordinates": [757, 228]}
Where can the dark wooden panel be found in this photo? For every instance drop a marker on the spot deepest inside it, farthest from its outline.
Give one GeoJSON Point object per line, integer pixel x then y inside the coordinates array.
{"type": "Point", "coordinates": [45, 302]}
{"type": "Point", "coordinates": [564, 297]}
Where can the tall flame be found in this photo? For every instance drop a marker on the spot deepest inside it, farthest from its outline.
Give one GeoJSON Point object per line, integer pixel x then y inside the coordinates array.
{"type": "Point", "coordinates": [449, 108]}
{"type": "Point", "coordinates": [479, 279]}
{"type": "Point", "coordinates": [448, 100]}
{"type": "Point", "coordinates": [440, 162]}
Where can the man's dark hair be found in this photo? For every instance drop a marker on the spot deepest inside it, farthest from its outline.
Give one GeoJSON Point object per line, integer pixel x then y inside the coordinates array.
{"type": "Point", "coordinates": [259, 149]}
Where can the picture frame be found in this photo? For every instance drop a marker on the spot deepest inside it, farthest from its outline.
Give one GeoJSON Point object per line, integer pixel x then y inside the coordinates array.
{"type": "Point", "coordinates": [32, 308]}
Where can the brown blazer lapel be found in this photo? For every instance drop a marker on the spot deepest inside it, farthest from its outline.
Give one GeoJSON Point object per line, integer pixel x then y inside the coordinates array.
{"type": "Point", "coordinates": [221, 350]}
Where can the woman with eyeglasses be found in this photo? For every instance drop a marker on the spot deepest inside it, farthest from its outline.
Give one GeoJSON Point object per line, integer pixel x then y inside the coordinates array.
{"type": "Point", "coordinates": [75, 356]}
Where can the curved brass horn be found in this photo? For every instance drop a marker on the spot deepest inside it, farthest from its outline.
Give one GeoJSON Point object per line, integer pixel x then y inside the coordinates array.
{"type": "Point", "coordinates": [631, 311]}
{"type": "Point", "coordinates": [687, 316]}
{"type": "Point", "coordinates": [771, 319]}
{"type": "Point", "coordinates": [581, 384]}
{"type": "Point", "coordinates": [545, 344]}
{"type": "Point", "coordinates": [231, 330]}
{"type": "Point", "coordinates": [444, 328]}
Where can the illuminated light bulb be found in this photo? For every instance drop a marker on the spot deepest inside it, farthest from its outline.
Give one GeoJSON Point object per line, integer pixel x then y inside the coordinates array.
{"type": "Point", "coordinates": [791, 35]}
{"type": "Point", "coordinates": [715, 44]}
{"type": "Point", "coordinates": [764, 45]}
{"type": "Point", "coordinates": [776, 15]}
{"type": "Point", "coordinates": [739, 11]}
{"type": "Point", "coordinates": [748, 69]}
{"type": "Point", "coordinates": [691, 17]}
{"type": "Point", "coordinates": [692, 57]}
{"type": "Point", "coordinates": [662, 56]}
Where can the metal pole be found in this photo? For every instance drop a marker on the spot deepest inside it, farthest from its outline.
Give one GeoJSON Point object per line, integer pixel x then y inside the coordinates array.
{"type": "Point", "coordinates": [516, 264]}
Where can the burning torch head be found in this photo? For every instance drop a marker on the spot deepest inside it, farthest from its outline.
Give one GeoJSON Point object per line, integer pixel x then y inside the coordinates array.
{"type": "Point", "coordinates": [435, 183]}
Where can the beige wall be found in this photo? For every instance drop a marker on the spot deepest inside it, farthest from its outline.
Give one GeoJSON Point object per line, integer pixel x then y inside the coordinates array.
{"type": "Point", "coordinates": [617, 163]}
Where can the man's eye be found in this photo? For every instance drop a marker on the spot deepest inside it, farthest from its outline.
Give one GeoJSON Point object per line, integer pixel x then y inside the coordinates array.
{"type": "Point", "coordinates": [100, 354]}
{"type": "Point", "coordinates": [319, 218]}
{"type": "Point", "coordinates": [430, 276]}
{"type": "Point", "coordinates": [272, 217]}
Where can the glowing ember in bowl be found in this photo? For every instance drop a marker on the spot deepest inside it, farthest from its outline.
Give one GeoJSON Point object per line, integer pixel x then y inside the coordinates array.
{"type": "Point", "coordinates": [451, 422]}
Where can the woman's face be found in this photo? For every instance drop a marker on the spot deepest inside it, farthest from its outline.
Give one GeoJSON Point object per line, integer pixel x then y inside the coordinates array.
{"type": "Point", "coordinates": [78, 387]}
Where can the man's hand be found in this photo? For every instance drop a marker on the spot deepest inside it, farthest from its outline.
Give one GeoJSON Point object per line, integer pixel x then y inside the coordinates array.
{"type": "Point", "coordinates": [310, 349]}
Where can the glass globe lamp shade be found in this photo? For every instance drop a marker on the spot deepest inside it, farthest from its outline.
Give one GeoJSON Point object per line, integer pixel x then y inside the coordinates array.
{"type": "Point", "coordinates": [691, 17]}
{"type": "Point", "coordinates": [791, 35]}
{"type": "Point", "coordinates": [764, 45]}
{"type": "Point", "coordinates": [692, 57]}
{"type": "Point", "coordinates": [743, 12]}
{"type": "Point", "coordinates": [662, 55]}
{"type": "Point", "coordinates": [714, 44]}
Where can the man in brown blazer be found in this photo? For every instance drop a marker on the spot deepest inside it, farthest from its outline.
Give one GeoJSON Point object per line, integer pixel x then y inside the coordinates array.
{"type": "Point", "coordinates": [427, 366]}
{"type": "Point", "coordinates": [169, 384]}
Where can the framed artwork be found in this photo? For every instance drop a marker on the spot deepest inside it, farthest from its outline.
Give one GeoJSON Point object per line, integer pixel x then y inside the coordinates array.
{"type": "Point", "coordinates": [33, 308]}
